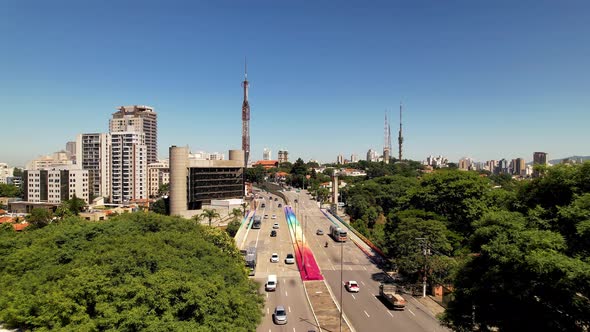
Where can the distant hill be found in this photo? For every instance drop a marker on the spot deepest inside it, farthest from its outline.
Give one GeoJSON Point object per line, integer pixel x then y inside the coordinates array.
{"type": "Point", "coordinates": [576, 158]}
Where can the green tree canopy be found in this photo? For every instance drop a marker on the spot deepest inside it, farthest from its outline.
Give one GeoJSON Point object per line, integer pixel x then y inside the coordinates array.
{"type": "Point", "coordinates": [210, 214]}
{"type": "Point", "coordinates": [135, 272]}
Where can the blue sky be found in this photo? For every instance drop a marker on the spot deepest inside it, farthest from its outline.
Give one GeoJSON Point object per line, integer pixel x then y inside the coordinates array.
{"type": "Point", "coordinates": [484, 79]}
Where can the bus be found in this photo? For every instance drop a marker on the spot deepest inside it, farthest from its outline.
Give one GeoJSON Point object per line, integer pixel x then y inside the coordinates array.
{"type": "Point", "coordinates": [250, 259]}
{"type": "Point", "coordinates": [337, 233]}
{"type": "Point", "coordinates": [257, 222]}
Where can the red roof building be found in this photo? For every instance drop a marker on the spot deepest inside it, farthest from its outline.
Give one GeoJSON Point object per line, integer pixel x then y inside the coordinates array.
{"type": "Point", "coordinates": [267, 164]}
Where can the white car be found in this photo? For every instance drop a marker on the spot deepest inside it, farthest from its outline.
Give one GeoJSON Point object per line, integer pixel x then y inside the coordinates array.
{"type": "Point", "coordinates": [274, 216]}
{"type": "Point", "coordinates": [352, 286]}
{"type": "Point", "coordinates": [274, 258]}
{"type": "Point", "coordinates": [290, 259]}
{"type": "Point", "coordinates": [275, 225]}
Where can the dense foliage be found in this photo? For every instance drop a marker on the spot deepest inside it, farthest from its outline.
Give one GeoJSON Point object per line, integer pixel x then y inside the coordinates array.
{"type": "Point", "coordinates": [515, 252]}
{"type": "Point", "coordinates": [138, 271]}
{"type": "Point", "coordinates": [9, 190]}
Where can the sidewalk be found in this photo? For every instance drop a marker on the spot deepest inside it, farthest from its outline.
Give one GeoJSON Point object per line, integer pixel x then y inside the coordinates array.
{"type": "Point", "coordinates": [435, 308]}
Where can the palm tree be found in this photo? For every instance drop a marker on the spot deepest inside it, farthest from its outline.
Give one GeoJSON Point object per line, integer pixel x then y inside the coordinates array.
{"type": "Point", "coordinates": [197, 218]}
{"type": "Point", "coordinates": [244, 205]}
{"type": "Point", "coordinates": [210, 214]}
{"type": "Point", "coordinates": [236, 213]}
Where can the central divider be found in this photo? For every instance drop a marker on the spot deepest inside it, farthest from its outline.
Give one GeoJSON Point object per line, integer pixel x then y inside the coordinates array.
{"type": "Point", "coordinates": [308, 267]}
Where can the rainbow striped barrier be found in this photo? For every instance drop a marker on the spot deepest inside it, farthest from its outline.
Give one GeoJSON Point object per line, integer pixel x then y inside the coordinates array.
{"type": "Point", "coordinates": [308, 267]}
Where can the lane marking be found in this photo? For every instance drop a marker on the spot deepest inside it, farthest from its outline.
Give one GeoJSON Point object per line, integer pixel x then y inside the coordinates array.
{"type": "Point", "coordinates": [289, 308]}
{"type": "Point", "coordinates": [366, 313]}
{"type": "Point", "coordinates": [389, 312]}
{"type": "Point", "coordinates": [267, 311]}
{"type": "Point", "coordinates": [362, 282]}
{"type": "Point", "coordinates": [410, 310]}
{"type": "Point", "coordinates": [286, 293]}
{"type": "Point", "coordinates": [353, 296]}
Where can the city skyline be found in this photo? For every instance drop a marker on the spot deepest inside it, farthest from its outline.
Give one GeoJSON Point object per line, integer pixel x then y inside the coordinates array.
{"type": "Point", "coordinates": [488, 81]}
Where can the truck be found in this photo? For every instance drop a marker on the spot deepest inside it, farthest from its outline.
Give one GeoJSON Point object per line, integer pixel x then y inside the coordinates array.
{"type": "Point", "coordinates": [389, 293]}
{"type": "Point", "coordinates": [250, 260]}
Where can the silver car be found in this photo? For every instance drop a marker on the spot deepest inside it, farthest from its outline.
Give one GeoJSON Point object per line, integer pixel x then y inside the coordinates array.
{"type": "Point", "coordinates": [280, 315]}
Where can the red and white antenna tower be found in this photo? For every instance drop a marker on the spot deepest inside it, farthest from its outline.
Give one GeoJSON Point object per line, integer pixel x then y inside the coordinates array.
{"type": "Point", "coordinates": [245, 117]}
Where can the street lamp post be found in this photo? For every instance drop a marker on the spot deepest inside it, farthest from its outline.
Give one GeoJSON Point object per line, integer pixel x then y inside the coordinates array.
{"type": "Point", "coordinates": [341, 303]}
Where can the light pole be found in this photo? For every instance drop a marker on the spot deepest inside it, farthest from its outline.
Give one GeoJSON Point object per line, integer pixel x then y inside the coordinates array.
{"type": "Point", "coordinates": [423, 242]}
{"type": "Point", "coordinates": [341, 303]}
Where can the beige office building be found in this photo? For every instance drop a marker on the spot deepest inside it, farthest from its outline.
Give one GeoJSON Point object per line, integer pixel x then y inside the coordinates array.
{"type": "Point", "coordinates": [138, 118]}
{"type": "Point", "coordinates": [158, 174]}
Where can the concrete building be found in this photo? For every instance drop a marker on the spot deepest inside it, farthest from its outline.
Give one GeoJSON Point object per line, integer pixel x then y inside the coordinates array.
{"type": "Point", "coordinates": [55, 185]}
{"type": "Point", "coordinates": [340, 159]}
{"type": "Point", "coordinates": [56, 160]}
{"type": "Point", "coordinates": [519, 167]}
{"type": "Point", "coordinates": [5, 172]}
{"type": "Point", "coordinates": [141, 119]}
{"type": "Point", "coordinates": [354, 158]}
{"type": "Point", "coordinates": [539, 158]}
{"type": "Point", "coordinates": [372, 155]}
{"type": "Point", "coordinates": [158, 174]}
{"type": "Point", "coordinates": [266, 154]}
{"type": "Point", "coordinates": [93, 154]}
{"type": "Point", "coordinates": [436, 162]}
{"type": "Point", "coordinates": [194, 183]}
{"type": "Point", "coordinates": [71, 150]}
{"type": "Point", "coordinates": [465, 164]}
{"type": "Point", "coordinates": [502, 167]}
{"type": "Point", "coordinates": [283, 156]}
{"type": "Point", "coordinates": [128, 167]}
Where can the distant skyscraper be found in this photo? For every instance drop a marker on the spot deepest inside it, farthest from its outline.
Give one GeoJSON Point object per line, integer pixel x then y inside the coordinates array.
{"type": "Point", "coordinates": [372, 155]}
{"type": "Point", "coordinates": [283, 156]}
{"type": "Point", "coordinates": [354, 158]}
{"type": "Point", "coordinates": [465, 164]}
{"type": "Point", "coordinates": [139, 119]}
{"type": "Point", "coordinates": [340, 159]}
{"type": "Point", "coordinates": [519, 167]}
{"type": "Point", "coordinates": [539, 158]}
{"type": "Point", "coordinates": [71, 150]}
{"type": "Point", "coordinates": [502, 166]}
{"type": "Point", "coordinates": [266, 154]}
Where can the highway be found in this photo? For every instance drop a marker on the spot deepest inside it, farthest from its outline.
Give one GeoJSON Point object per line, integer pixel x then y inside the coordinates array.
{"type": "Point", "coordinates": [364, 310]}
{"type": "Point", "coordinates": [290, 291]}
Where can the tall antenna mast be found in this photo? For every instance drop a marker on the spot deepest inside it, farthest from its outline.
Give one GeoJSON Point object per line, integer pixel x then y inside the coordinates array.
{"type": "Point", "coordinates": [245, 118]}
{"type": "Point", "coordinates": [400, 137]}
{"type": "Point", "coordinates": [386, 141]}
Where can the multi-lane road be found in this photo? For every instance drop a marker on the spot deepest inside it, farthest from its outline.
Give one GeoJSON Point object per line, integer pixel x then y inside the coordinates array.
{"type": "Point", "coordinates": [363, 310]}
{"type": "Point", "coordinates": [290, 291]}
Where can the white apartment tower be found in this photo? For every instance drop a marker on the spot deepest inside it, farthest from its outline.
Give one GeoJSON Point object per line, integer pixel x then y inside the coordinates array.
{"type": "Point", "coordinates": [141, 119]}
{"type": "Point", "coordinates": [93, 154]}
{"type": "Point", "coordinates": [128, 166]}
{"type": "Point", "coordinates": [283, 156]}
{"type": "Point", "coordinates": [266, 154]}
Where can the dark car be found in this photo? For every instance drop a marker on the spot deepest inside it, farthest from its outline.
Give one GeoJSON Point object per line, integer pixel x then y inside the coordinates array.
{"type": "Point", "coordinates": [273, 233]}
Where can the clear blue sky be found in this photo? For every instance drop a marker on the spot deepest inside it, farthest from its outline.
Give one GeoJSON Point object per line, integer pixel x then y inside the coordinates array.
{"type": "Point", "coordinates": [485, 79]}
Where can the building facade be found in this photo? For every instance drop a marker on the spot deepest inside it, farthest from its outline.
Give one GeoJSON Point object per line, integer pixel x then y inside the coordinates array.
{"type": "Point", "coordinates": [128, 167]}
{"type": "Point", "coordinates": [194, 183]}
{"type": "Point", "coordinates": [56, 185]}
{"type": "Point", "coordinates": [283, 156]}
{"type": "Point", "coordinates": [158, 175]}
{"type": "Point", "coordinates": [539, 158]}
{"type": "Point", "coordinates": [56, 160]}
{"type": "Point", "coordinates": [141, 119]}
{"type": "Point", "coordinates": [372, 155]}
{"type": "Point", "coordinates": [93, 154]}
{"type": "Point", "coordinates": [266, 154]}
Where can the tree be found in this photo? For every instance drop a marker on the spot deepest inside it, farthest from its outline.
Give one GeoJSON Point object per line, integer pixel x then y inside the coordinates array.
{"type": "Point", "coordinates": [76, 205]}
{"type": "Point", "coordinates": [255, 174]}
{"type": "Point", "coordinates": [18, 172]}
{"type": "Point", "coordinates": [520, 279]}
{"type": "Point", "coordinates": [160, 206]}
{"type": "Point", "coordinates": [153, 273]}
{"type": "Point", "coordinates": [236, 213]}
{"type": "Point", "coordinates": [63, 211]}
{"type": "Point", "coordinates": [197, 218]}
{"type": "Point", "coordinates": [233, 227]}
{"type": "Point", "coordinates": [39, 217]}
{"type": "Point", "coordinates": [9, 190]}
{"type": "Point", "coordinates": [164, 189]}
{"type": "Point", "coordinates": [210, 214]}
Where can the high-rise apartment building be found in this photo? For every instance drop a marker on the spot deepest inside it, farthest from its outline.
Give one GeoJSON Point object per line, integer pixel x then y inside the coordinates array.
{"type": "Point", "coordinates": [141, 119]}
{"type": "Point", "coordinates": [539, 158]}
{"type": "Point", "coordinates": [158, 174]}
{"type": "Point", "coordinates": [5, 172]}
{"type": "Point", "coordinates": [93, 154]}
{"type": "Point", "coordinates": [502, 167]}
{"type": "Point", "coordinates": [465, 164]}
{"type": "Point", "coordinates": [266, 154]}
{"type": "Point", "coordinates": [283, 156]}
{"type": "Point", "coordinates": [55, 185]}
{"type": "Point", "coordinates": [57, 159]}
{"type": "Point", "coordinates": [340, 159]}
{"type": "Point", "coordinates": [519, 167]}
{"type": "Point", "coordinates": [354, 158]}
{"type": "Point", "coordinates": [71, 150]}
{"type": "Point", "coordinates": [128, 166]}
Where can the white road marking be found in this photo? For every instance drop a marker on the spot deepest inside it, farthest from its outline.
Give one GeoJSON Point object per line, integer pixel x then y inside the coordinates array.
{"type": "Point", "coordinates": [411, 312]}
{"type": "Point", "coordinates": [364, 268]}
{"type": "Point", "coordinates": [366, 313]}
{"type": "Point", "coordinates": [362, 282]}
{"type": "Point", "coordinates": [286, 293]}
{"type": "Point", "coordinates": [353, 296]}
{"type": "Point", "coordinates": [267, 311]}
{"type": "Point", "coordinates": [389, 312]}
{"type": "Point", "coordinates": [289, 309]}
